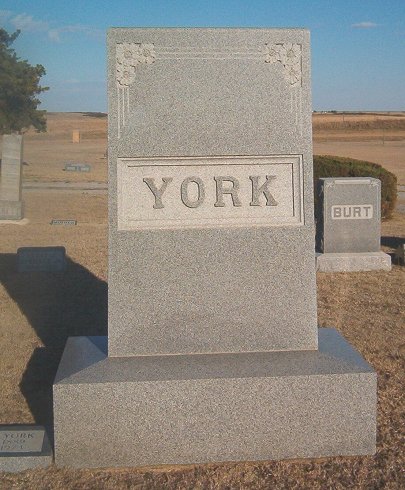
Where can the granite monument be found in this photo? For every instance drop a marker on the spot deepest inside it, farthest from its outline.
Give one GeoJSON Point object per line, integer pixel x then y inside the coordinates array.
{"type": "Point", "coordinates": [213, 351]}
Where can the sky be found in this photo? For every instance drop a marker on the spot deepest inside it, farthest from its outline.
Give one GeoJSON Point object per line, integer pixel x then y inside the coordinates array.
{"type": "Point", "coordinates": [358, 46]}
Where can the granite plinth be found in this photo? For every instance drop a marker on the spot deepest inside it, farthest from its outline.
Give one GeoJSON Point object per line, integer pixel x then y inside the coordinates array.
{"type": "Point", "coordinates": [11, 210]}
{"type": "Point", "coordinates": [353, 262]}
{"type": "Point", "coordinates": [213, 407]}
{"type": "Point", "coordinates": [23, 447]}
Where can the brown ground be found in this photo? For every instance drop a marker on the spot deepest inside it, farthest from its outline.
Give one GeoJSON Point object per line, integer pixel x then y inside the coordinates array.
{"type": "Point", "coordinates": [39, 311]}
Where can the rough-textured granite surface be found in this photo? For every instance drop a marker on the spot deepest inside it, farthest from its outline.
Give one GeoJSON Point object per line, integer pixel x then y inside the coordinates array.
{"type": "Point", "coordinates": [210, 94]}
{"type": "Point", "coordinates": [212, 407]}
{"type": "Point", "coordinates": [23, 447]}
{"type": "Point", "coordinates": [348, 215]}
{"type": "Point", "coordinates": [353, 262]}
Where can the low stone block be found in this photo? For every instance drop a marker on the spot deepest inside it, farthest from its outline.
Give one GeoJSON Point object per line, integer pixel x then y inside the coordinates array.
{"type": "Point", "coordinates": [353, 262]}
{"type": "Point", "coordinates": [184, 409]}
{"type": "Point", "coordinates": [11, 210]}
{"type": "Point", "coordinates": [41, 259]}
{"type": "Point", "coordinates": [23, 447]}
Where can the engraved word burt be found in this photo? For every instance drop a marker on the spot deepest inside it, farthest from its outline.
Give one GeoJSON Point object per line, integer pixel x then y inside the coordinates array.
{"type": "Point", "coordinates": [352, 211]}
{"type": "Point", "coordinates": [195, 192]}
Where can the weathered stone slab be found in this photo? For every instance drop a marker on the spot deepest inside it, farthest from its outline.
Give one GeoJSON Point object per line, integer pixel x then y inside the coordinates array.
{"type": "Point", "coordinates": [11, 167]}
{"type": "Point", "coordinates": [349, 215]}
{"type": "Point", "coordinates": [208, 209]}
{"type": "Point", "coordinates": [23, 447]}
{"type": "Point", "coordinates": [11, 210]}
{"type": "Point", "coordinates": [64, 222]}
{"type": "Point", "coordinates": [41, 259]}
{"type": "Point", "coordinates": [353, 262]}
{"type": "Point", "coordinates": [215, 407]}
{"type": "Point", "coordinates": [11, 206]}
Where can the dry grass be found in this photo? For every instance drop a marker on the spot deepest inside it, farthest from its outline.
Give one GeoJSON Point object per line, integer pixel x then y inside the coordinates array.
{"type": "Point", "coordinates": [39, 311]}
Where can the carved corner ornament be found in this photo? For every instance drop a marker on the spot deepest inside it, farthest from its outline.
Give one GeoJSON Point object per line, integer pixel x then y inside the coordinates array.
{"type": "Point", "coordinates": [289, 55]}
{"type": "Point", "coordinates": [129, 57]}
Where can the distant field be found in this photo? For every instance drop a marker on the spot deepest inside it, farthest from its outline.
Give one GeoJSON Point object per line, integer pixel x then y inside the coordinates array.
{"type": "Point", "coordinates": [376, 137]}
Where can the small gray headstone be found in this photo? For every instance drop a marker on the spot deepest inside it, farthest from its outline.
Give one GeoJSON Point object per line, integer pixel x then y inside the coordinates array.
{"type": "Point", "coordinates": [65, 222]}
{"type": "Point", "coordinates": [23, 447]}
{"type": "Point", "coordinates": [77, 167]}
{"type": "Point", "coordinates": [41, 259]}
{"type": "Point", "coordinates": [348, 215]}
{"type": "Point", "coordinates": [348, 228]}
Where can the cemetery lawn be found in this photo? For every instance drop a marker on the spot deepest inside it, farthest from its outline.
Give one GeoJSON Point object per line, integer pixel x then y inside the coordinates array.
{"type": "Point", "coordinates": [38, 311]}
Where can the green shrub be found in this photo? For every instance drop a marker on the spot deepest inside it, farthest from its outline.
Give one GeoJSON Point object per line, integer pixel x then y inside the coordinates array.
{"type": "Point", "coordinates": [331, 166]}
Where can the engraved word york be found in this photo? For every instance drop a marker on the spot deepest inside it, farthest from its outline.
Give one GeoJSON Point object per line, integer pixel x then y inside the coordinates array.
{"type": "Point", "coordinates": [215, 191]}
{"type": "Point", "coordinates": [192, 191]}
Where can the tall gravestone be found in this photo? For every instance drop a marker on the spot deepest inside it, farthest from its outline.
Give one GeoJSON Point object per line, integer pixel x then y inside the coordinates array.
{"type": "Point", "coordinates": [213, 348]}
{"type": "Point", "coordinates": [348, 227]}
{"type": "Point", "coordinates": [11, 206]}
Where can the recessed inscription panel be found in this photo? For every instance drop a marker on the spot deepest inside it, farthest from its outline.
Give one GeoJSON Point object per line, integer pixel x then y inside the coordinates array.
{"type": "Point", "coordinates": [191, 192]}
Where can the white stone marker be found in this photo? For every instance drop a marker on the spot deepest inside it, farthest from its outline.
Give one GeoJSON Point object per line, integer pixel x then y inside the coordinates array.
{"type": "Point", "coordinates": [11, 206]}
{"type": "Point", "coordinates": [213, 347]}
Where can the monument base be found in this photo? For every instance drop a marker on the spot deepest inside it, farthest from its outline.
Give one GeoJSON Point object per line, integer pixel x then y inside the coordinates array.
{"type": "Point", "coordinates": [353, 262]}
{"type": "Point", "coordinates": [11, 210]}
{"type": "Point", "coordinates": [182, 409]}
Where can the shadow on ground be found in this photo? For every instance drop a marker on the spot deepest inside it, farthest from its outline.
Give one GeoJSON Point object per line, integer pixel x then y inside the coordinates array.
{"type": "Point", "coordinates": [58, 306]}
